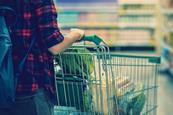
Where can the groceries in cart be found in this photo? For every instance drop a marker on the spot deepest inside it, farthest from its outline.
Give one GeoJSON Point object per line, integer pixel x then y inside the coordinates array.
{"type": "Point", "coordinates": [79, 62]}
{"type": "Point", "coordinates": [131, 97]}
{"type": "Point", "coordinates": [76, 69]}
{"type": "Point", "coordinates": [78, 73]}
{"type": "Point", "coordinates": [97, 82]}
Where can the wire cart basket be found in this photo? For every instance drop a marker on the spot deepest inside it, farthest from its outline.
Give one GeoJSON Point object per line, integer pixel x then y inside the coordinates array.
{"type": "Point", "coordinates": [102, 83]}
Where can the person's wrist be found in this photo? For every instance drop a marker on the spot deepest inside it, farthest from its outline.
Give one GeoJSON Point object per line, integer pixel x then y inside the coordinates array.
{"type": "Point", "coordinates": [73, 36]}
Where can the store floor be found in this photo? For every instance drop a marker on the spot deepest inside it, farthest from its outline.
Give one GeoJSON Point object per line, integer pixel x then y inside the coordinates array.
{"type": "Point", "coordinates": [165, 95]}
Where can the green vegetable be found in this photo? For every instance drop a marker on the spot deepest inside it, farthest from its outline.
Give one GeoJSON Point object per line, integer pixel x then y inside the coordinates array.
{"type": "Point", "coordinates": [138, 100]}
{"type": "Point", "coordinates": [139, 104]}
{"type": "Point", "coordinates": [76, 62]}
{"type": "Point", "coordinates": [87, 100]}
{"type": "Point", "coordinates": [133, 102]}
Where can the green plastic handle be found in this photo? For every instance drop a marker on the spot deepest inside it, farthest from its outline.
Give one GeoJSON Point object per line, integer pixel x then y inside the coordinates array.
{"type": "Point", "coordinates": [92, 38]}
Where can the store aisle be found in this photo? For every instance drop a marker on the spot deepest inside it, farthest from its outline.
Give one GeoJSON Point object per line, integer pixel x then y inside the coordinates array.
{"type": "Point", "coordinates": [165, 95]}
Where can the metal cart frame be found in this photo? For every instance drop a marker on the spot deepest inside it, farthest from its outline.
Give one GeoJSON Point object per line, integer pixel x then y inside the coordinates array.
{"type": "Point", "coordinates": [111, 84]}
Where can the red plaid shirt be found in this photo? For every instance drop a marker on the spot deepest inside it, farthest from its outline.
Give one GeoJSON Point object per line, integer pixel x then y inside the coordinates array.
{"type": "Point", "coordinates": [36, 18]}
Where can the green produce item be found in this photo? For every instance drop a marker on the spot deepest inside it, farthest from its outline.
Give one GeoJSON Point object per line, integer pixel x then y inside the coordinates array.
{"type": "Point", "coordinates": [139, 100]}
{"type": "Point", "coordinates": [133, 102]}
{"type": "Point", "coordinates": [139, 104]}
{"type": "Point", "coordinates": [87, 100]}
{"type": "Point", "coordinates": [76, 62]}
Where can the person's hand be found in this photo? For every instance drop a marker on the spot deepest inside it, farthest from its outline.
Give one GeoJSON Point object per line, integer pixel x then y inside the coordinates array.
{"type": "Point", "coordinates": [77, 33]}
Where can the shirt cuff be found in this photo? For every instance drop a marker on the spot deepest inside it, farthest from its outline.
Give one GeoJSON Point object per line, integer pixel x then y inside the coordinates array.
{"type": "Point", "coordinates": [54, 40]}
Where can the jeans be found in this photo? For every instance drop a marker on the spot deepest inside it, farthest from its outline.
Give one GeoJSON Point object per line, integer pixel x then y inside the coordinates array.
{"type": "Point", "coordinates": [36, 104]}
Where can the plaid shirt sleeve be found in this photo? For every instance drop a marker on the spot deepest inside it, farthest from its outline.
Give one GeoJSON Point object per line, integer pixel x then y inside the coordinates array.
{"type": "Point", "coordinates": [46, 14]}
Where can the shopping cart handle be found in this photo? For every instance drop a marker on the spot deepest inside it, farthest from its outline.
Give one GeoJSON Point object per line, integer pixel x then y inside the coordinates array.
{"type": "Point", "coordinates": [92, 38]}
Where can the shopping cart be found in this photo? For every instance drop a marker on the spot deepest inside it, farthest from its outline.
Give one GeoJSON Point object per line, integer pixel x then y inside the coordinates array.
{"type": "Point", "coordinates": [93, 81]}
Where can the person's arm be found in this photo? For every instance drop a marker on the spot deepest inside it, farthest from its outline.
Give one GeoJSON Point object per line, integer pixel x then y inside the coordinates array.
{"type": "Point", "coordinates": [73, 36]}
{"type": "Point", "coordinates": [48, 28]}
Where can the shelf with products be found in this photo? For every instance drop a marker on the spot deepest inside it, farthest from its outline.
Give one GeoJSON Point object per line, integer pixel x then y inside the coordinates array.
{"type": "Point", "coordinates": [90, 8]}
{"type": "Point", "coordinates": [168, 20]}
{"type": "Point", "coordinates": [168, 11]}
{"type": "Point", "coordinates": [94, 19]}
{"type": "Point", "coordinates": [124, 38]}
{"type": "Point", "coordinates": [149, 28]}
{"type": "Point", "coordinates": [167, 41]}
{"type": "Point", "coordinates": [166, 3]}
{"type": "Point", "coordinates": [113, 23]}
{"type": "Point", "coordinates": [87, 19]}
{"type": "Point", "coordinates": [167, 50]}
{"type": "Point", "coordinates": [143, 2]}
{"type": "Point", "coordinates": [167, 54]}
{"type": "Point", "coordinates": [137, 25]}
{"type": "Point", "coordinates": [139, 14]}
{"type": "Point", "coordinates": [137, 9]}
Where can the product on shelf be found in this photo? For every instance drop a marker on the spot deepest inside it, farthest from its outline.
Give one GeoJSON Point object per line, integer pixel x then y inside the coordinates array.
{"type": "Point", "coordinates": [167, 53]}
{"type": "Point", "coordinates": [110, 23]}
{"type": "Point", "coordinates": [139, 17]}
{"type": "Point", "coordinates": [134, 37]}
{"type": "Point", "coordinates": [87, 19]}
{"type": "Point", "coordinates": [147, 2]}
{"type": "Point", "coordinates": [167, 3]}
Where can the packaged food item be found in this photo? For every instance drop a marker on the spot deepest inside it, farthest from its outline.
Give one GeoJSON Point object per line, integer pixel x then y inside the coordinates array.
{"type": "Point", "coordinates": [132, 103]}
{"type": "Point", "coordinates": [125, 89]}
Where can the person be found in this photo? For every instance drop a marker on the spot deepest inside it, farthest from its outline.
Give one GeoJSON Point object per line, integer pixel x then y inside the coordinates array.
{"type": "Point", "coordinates": [36, 92]}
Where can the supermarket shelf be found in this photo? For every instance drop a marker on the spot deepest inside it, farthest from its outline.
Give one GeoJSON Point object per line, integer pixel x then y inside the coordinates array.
{"type": "Point", "coordinates": [166, 46]}
{"type": "Point", "coordinates": [136, 12]}
{"type": "Point", "coordinates": [128, 15]}
{"type": "Point", "coordinates": [138, 15]}
{"type": "Point", "coordinates": [140, 27]}
{"type": "Point", "coordinates": [134, 47]}
{"type": "Point", "coordinates": [88, 7]}
{"type": "Point", "coordinates": [87, 11]}
{"type": "Point", "coordinates": [111, 11]}
{"type": "Point", "coordinates": [167, 11]}
{"type": "Point", "coordinates": [142, 2]}
{"type": "Point", "coordinates": [169, 30]}
{"type": "Point", "coordinates": [109, 27]}
{"type": "Point", "coordinates": [167, 56]}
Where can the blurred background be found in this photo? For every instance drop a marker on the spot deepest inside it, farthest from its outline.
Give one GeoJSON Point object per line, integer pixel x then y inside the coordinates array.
{"type": "Point", "coordinates": [141, 27]}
